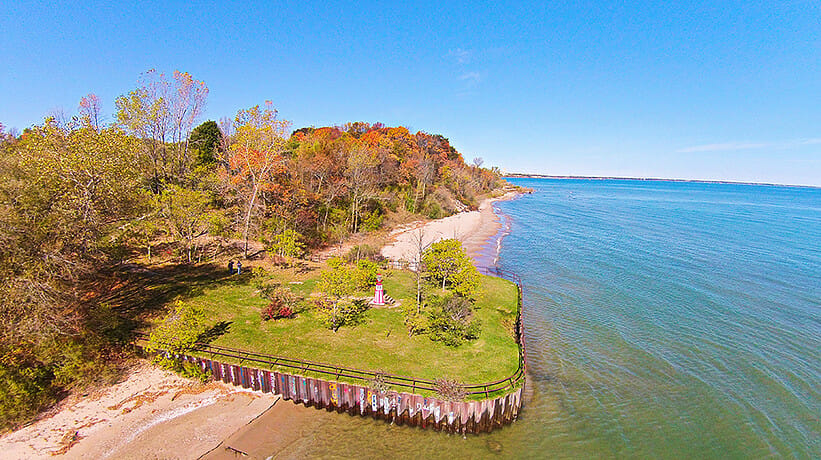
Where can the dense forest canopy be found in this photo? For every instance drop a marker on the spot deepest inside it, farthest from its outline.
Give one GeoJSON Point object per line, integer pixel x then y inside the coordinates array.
{"type": "Point", "coordinates": [78, 197]}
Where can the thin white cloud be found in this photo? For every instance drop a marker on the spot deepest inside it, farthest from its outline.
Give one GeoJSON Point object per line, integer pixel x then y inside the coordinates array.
{"type": "Point", "coordinates": [813, 141]}
{"type": "Point", "coordinates": [471, 77]}
{"type": "Point", "coordinates": [726, 146]}
{"type": "Point", "coordinates": [461, 56]}
{"type": "Point", "coordinates": [735, 146]}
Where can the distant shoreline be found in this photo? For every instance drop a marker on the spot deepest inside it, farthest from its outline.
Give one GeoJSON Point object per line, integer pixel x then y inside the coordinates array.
{"type": "Point", "coordinates": [653, 179]}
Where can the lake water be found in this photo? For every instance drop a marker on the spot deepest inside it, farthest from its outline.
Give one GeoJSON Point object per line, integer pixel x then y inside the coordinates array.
{"type": "Point", "coordinates": [663, 320]}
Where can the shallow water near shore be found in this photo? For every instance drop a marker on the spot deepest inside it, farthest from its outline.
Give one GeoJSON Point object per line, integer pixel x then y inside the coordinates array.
{"type": "Point", "coordinates": [663, 320]}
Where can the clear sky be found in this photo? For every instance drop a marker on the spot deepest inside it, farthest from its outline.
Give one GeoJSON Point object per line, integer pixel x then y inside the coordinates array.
{"type": "Point", "coordinates": [708, 90]}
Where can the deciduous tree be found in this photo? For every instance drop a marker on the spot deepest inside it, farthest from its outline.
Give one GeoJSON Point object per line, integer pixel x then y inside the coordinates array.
{"type": "Point", "coordinates": [162, 114]}
{"type": "Point", "coordinates": [255, 156]}
{"type": "Point", "coordinates": [447, 262]}
{"type": "Point", "coordinates": [205, 141]}
{"type": "Point", "coordinates": [185, 213]}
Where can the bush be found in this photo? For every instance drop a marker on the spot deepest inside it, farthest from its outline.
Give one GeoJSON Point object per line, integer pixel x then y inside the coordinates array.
{"type": "Point", "coordinates": [194, 372]}
{"type": "Point", "coordinates": [365, 275]}
{"type": "Point", "coordinates": [450, 390]}
{"type": "Point", "coordinates": [433, 210]}
{"type": "Point", "coordinates": [286, 245]}
{"type": "Point", "coordinates": [282, 305]}
{"type": "Point", "coordinates": [25, 388]}
{"type": "Point", "coordinates": [179, 330]}
{"type": "Point", "coordinates": [451, 322]}
{"type": "Point", "coordinates": [264, 282]}
{"type": "Point", "coordinates": [184, 368]}
{"type": "Point", "coordinates": [372, 221]}
{"type": "Point", "coordinates": [415, 319]}
{"type": "Point", "coordinates": [335, 314]}
{"type": "Point", "coordinates": [35, 375]}
{"type": "Point", "coordinates": [276, 311]}
{"type": "Point", "coordinates": [335, 262]}
{"type": "Point", "coordinates": [362, 251]}
{"type": "Point", "coordinates": [377, 384]}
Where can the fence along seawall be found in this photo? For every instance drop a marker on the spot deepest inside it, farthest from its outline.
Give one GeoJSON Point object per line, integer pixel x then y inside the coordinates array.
{"type": "Point", "coordinates": [402, 408]}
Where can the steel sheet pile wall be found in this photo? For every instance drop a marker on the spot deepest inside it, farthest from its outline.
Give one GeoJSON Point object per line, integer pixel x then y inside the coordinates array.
{"type": "Point", "coordinates": [400, 408]}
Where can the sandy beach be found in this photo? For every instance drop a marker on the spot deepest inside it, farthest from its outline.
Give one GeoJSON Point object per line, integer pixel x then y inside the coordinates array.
{"type": "Point", "coordinates": [153, 413]}
{"type": "Point", "coordinates": [474, 229]}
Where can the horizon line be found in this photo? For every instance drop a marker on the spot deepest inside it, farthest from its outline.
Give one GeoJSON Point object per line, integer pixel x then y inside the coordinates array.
{"type": "Point", "coordinates": [654, 179]}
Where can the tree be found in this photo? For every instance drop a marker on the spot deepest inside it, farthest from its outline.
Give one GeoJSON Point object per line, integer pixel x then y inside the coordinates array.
{"type": "Point", "coordinates": [255, 156]}
{"type": "Point", "coordinates": [178, 333]}
{"type": "Point", "coordinates": [362, 180]}
{"type": "Point", "coordinates": [286, 245]}
{"type": "Point", "coordinates": [338, 282]}
{"type": "Point", "coordinates": [205, 140]}
{"type": "Point", "coordinates": [185, 213]}
{"type": "Point", "coordinates": [447, 262]}
{"type": "Point", "coordinates": [421, 246]}
{"type": "Point", "coordinates": [451, 321]}
{"type": "Point", "coordinates": [90, 111]}
{"type": "Point", "coordinates": [65, 193]}
{"type": "Point", "coordinates": [162, 114]}
{"type": "Point", "coordinates": [179, 330]}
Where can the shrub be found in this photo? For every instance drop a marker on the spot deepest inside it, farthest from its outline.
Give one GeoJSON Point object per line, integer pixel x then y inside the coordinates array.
{"type": "Point", "coordinates": [287, 245]}
{"type": "Point", "coordinates": [335, 262]}
{"type": "Point", "coordinates": [378, 384]}
{"type": "Point", "coordinates": [365, 274]}
{"type": "Point", "coordinates": [176, 334]}
{"type": "Point", "coordinates": [451, 322]}
{"type": "Point", "coordinates": [450, 390]}
{"type": "Point", "coordinates": [194, 372]}
{"type": "Point", "coordinates": [433, 210]}
{"type": "Point", "coordinates": [264, 282]}
{"type": "Point", "coordinates": [335, 314]}
{"type": "Point", "coordinates": [415, 319]}
{"type": "Point", "coordinates": [25, 387]}
{"type": "Point", "coordinates": [179, 330]}
{"type": "Point", "coordinates": [372, 221]}
{"type": "Point", "coordinates": [282, 305]}
{"type": "Point", "coordinates": [186, 369]}
{"type": "Point", "coordinates": [362, 251]}
{"type": "Point", "coordinates": [276, 311]}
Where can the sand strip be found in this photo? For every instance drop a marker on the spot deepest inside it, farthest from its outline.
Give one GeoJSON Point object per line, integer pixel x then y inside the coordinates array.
{"type": "Point", "coordinates": [475, 229]}
{"type": "Point", "coordinates": [151, 414]}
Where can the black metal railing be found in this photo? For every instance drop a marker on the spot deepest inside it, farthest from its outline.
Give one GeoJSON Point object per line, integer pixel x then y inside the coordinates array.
{"type": "Point", "coordinates": [412, 384]}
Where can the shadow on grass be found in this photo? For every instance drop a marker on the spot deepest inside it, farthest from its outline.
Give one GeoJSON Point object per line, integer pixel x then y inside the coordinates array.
{"type": "Point", "coordinates": [214, 332]}
{"type": "Point", "coordinates": [137, 294]}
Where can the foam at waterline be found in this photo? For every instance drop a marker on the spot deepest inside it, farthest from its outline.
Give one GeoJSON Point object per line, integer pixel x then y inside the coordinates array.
{"type": "Point", "coordinates": [488, 254]}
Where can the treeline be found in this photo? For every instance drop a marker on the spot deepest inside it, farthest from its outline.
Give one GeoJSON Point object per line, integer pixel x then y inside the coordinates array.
{"type": "Point", "coordinates": [78, 195]}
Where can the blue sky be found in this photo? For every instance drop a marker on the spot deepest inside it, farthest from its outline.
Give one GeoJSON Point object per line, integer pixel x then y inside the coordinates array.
{"type": "Point", "coordinates": [708, 90]}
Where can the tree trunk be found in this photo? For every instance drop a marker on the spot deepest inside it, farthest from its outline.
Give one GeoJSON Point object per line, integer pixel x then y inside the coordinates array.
{"type": "Point", "coordinates": [248, 218]}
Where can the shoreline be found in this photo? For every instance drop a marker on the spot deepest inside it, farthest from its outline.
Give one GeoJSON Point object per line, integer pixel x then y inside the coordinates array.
{"type": "Point", "coordinates": [480, 233]}
{"type": "Point", "coordinates": [152, 410]}
{"type": "Point", "coordinates": [149, 410]}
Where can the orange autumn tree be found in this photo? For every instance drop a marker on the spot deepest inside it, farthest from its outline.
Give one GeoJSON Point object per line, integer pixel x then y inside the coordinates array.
{"type": "Point", "coordinates": [255, 157]}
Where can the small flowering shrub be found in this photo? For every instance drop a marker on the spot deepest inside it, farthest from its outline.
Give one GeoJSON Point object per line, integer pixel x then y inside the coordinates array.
{"type": "Point", "coordinates": [282, 305]}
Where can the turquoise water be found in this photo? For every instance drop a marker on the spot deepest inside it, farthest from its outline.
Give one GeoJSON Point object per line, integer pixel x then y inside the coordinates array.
{"type": "Point", "coordinates": [663, 320]}
{"type": "Point", "coordinates": [672, 319]}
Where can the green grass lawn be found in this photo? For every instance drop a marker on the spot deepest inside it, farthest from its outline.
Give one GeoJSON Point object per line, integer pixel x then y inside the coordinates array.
{"type": "Point", "coordinates": [380, 343]}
